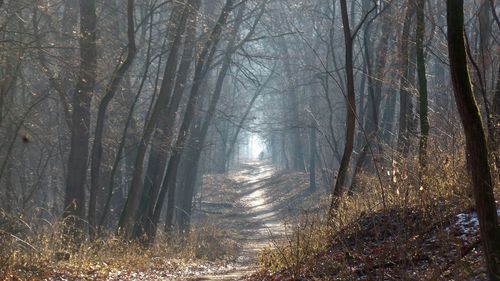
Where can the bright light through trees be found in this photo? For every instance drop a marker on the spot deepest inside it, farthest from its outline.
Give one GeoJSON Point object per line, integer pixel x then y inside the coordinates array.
{"type": "Point", "coordinates": [256, 147]}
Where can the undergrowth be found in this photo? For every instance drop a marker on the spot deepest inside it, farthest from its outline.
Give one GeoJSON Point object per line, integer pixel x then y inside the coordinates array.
{"type": "Point", "coordinates": [396, 221]}
{"type": "Point", "coordinates": [38, 253]}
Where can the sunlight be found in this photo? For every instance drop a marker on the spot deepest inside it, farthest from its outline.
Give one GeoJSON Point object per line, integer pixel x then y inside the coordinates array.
{"type": "Point", "coordinates": [211, 140]}
{"type": "Point", "coordinates": [256, 146]}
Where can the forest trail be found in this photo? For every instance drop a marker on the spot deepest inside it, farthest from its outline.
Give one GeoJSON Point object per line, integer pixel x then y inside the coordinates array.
{"type": "Point", "coordinates": [257, 222]}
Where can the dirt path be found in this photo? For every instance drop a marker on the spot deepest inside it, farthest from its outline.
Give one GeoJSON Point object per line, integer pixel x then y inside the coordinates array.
{"type": "Point", "coordinates": [257, 221]}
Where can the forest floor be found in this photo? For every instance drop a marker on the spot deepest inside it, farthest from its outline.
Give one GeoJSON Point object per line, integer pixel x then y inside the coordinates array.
{"type": "Point", "coordinates": [249, 216]}
{"type": "Point", "coordinates": [235, 217]}
{"type": "Point", "coordinates": [260, 223]}
{"type": "Point", "coordinates": [263, 202]}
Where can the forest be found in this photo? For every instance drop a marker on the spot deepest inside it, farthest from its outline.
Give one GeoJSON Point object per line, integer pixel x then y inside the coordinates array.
{"type": "Point", "coordinates": [257, 140]}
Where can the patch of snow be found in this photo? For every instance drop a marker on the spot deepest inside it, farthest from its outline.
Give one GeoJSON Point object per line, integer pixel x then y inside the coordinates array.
{"type": "Point", "coordinates": [468, 224]}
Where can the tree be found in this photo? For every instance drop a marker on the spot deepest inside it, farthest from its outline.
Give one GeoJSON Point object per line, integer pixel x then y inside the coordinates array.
{"type": "Point", "coordinates": [128, 217]}
{"type": "Point", "coordinates": [169, 182]}
{"type": "Point", "coordinates": [159, 155]}
{"type": "Point", "coordinates": [350, 98]}
{"type": "Point", "coordinates": [101, 114]}
{"type": "Point", "coordinates": [350, 103]}
{"type": "Point", "coordinates": [198, 136]}
{"type": "Point", "coordinates": [422, 85]}
{"type": "Point", "coordinates": [74, 200]}
{"type": "Point", "coordinates": [375, 84]}
{"type": "Point", "coordinates": [476, 146]}
{"type": "Point", "coordinates": [404, 82]}
{"type": "Point", "coordinates": [292, 110]}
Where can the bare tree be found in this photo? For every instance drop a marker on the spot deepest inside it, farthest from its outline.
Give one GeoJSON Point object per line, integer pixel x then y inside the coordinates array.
{"type": "Point", "coordinates": [101, 114]}
{"type": "Point", "coordinates": [74, 201]}
{"type": "Point", "coordinates": [476, 147]}
{"type": "Point", "coordinates": [129, 213]}
{"type": "Point", "coordinates": [404, 82]}
{"type": "Point", "coordinates": [422, 84]}
{"type": "Point", "coordinates": [169, 182]}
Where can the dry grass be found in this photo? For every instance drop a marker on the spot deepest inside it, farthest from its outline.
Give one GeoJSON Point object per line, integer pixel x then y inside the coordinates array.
{"type": "Point", "coordinates": [397, 228]}
{"type": "Point", "coordinates": [29, 253]}
{"type": "Point", "coordinates": [34, 249]}
{"type": "Point", "coordinates": [393, 227]}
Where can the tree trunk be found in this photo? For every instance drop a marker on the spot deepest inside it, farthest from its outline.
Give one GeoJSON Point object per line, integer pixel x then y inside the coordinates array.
{"type": "Point", "coordinates": [375, 83]}
{"type": "Point", "coordinates": [496, 106]}
{"type": "Point", "coordinates": [188, 183]}
{"type": "Point", "coordinates": [484, 66]}
{"type": "Point", "coordinates": [159, 157]}
{"type": "Point", "coordinates": [129, 213]}
{"type": "Point", "coordinates": [128, 122]}
{"type": "Point", "coordinates": [312, 157]}
{"type": "Point", "coordinates": [74, 200]}
{"type": "Point", "coordinates": [476, 147]}
{"type": "Point", "coordinates": [101, 114]}
{"type": "Point", "coordinates": [197, 143]}
{"type": "Point", "coordinates": [404, 84]}
{"type": "Point", "coordinates": [350, 106]}
{"type": "Point", "coordinates": [174, 161]}
{"type": "Point", "coordinates": [422, 86]}
{"type": "Point", "coordinates": [388, 117]}
{"type": "Point", "coordinates": [297, 152]}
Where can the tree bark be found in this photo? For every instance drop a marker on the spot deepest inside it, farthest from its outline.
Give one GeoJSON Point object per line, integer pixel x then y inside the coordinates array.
{"type": "Point", "coordinates": [422, 86]}
{"type": "Point", "coordinates": [200, 72]}
{"type": "Point", "coordinates": [375, 83]}
{"type": "Point", "coordinates": [404, 84]}
{"type": "Point", "coordinates": [350, 106]}
{"type": "Point", "coordinates": [297, 152]}
{"type": "Point", "coordinates": [157, 164]}
{"type": "Point", "coordinates": [101, 115]}
{"type": "Point", "coordinates": [476, 146]}
{"type": "Point", "coordinates": [312, 157]}
{"type": "Point", "coordinates": [74, 200]}
{"type": "Point", "coordinates": [128, 217]}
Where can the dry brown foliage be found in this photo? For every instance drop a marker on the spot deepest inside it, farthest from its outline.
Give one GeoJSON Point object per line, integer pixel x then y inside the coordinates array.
{"type": "Point", "coordinates": [393, 227]}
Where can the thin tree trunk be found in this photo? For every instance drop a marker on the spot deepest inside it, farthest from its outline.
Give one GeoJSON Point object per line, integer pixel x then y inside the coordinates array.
{"type": "Point", "coordinates": [496, 104]}
{"type": "Point", "coordinates": [173, 164]}
{"type": "Point", "coordinates": [121, 145]}
{"type": "Point", "coordinates": [484, 64]}
{"type": "Point", "coordinates": [294, 118]}
{"type": "Point", "coordinates": [422, 86]}
{"type": "Point", "coordinates": [197, 143]}
{"type": "Point", "coordinates": [129, 213]}
{"type": "Point", "coordinates": [350, 107]}
{"type": "Point", "coordinates": [101, 115]}
{"type": "Point", "coordinates": [155, 175]}
{"type": "Point", "coordinates": [312, 157]}
{"type": "Point", "coordinates": [404, 83]}
{"type": "Point", "coordinates": [375, 83]}
{"type": "Point", "coordinates": [388, 117]}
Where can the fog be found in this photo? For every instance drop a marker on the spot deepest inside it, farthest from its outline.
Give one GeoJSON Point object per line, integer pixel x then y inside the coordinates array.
{"type": "Point", "coordinates": [116, 115]}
